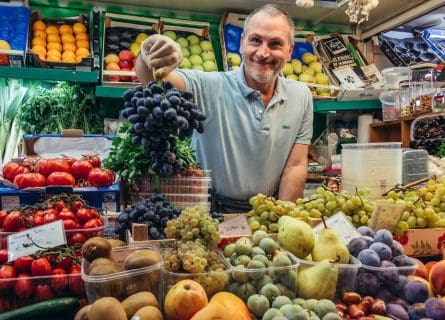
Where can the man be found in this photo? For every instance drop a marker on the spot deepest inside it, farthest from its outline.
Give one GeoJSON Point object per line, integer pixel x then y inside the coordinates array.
{"type": "Point", "coordinates": [258, 125]}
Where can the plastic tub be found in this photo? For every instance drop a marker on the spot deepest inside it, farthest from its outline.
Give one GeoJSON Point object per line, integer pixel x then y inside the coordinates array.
{"type": "Point", "coordinates": [390, 105]}
{"type": "Point", "coordinates": [191, 182]}
{"type": "Point", "coordinates": [392, 77]}
{"type": "Point", "coordinates": [415, 165]}
{"type": "Point", "coordinates": [345, 280]}
{"type": "Point", "coordinates": [125, 283]}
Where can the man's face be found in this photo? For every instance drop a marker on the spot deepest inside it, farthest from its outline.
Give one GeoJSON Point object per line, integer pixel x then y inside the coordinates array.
{"type": "Point", "coordinates": [265, 47]}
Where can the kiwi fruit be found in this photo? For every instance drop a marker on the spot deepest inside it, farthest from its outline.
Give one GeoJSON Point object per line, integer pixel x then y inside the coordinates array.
{"type": "Point", "coordinates": [141, 259]}
{"type": "Point", "coordinates": [107, 308]}
{"type": "Point", "coordinates": [99, 262]}
{"type": "Point", "coordinates": [116, 243]}
{"type": "Point", "coordinates": [82, 314]}
{"type": "Point", "coordinates": [148, 313]}
{"type": "Point", "coordinates": [138, 300]}
{"type": "Point", "coordinates": [96, 247]}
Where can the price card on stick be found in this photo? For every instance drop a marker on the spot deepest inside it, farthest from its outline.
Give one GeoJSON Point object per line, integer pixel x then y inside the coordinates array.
{"type": "Point", "coordinates": [237, 226]}
{"type": "Point", "coordinates": [386, 215]}
{"type": "Point", "coordinates": [32, 240]}
{"type": "Point", "coordinates": [338, 222]}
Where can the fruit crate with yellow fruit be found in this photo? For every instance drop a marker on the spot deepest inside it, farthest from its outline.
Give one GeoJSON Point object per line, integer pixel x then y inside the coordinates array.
{"type": "Point", "coordinates": [122, 38]}
{"type": "Point", "coordinates": [13, 34]}
{"type": "Point", "coordinates": [64, 43]}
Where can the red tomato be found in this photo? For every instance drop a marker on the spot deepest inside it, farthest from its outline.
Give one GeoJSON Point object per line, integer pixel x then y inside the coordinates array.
{"type": "Point", "coordinates": [23, 264]}
{"type": "Point", "coordinates": [49, 217]}
{"type": "Point", "coordinates": [67, 214]}
{"type": "Point", "coordinates": [23, 286]}
{"type": "Point", "coordinates": [12, 221]}
{"type": "Point", "coordinates": [3, 214]}
{"type": "Point", "coordinates": [51, 210]}
{"type": "Point", "coordinates": [38, 221]}
{"type": "Point", "coordinates": [93, 223]}
{"type": "Point", "coordinates": [60, 179]}
{"type": "Point", "coordinates": [58, 280]}
{"type": "Point", "coordinates": [75, 281]}
{"type": "Point", "coordinates": [70, 224]}
{"type": "Point", "coordinates": [69, 160]}
{"type": "Point", "coordinates": [11, 169]}
{"type": "Point", "coordinates": [76, 237]}
{"type": "Point", "coordinates": [83, 215]}
{"type": "Point", "coordinates": [3, 256]}
{"type": "Point", "coordinates": [6, 272]}
{"type": "Point", "coordinates": [43, 292]}
{"type": "Point", "coordinates": [47, 166]}
{"type": "Point", "coordinates": [39, 213]}
{"type": "Point", "coordinates": [64, 263]}
{"type": "Point", "coordinates": [31, 163]}
{"type": "Point", "coordinates": [41, 267]}
{"type": "Point", "coordinates": [80, 169]}
{"type": "Point", "coordinates": [93, 158]}
{"type": "Point", "coordinates": [94, 213]}
{"type": "Point", "coordinates": [60, 205]}
{"type": "Point", "coordinates": [100, 178]}
{"type": "Point", "coordinates": [29, 180]}
{"type": "Point", "coordinates": [77, 205]}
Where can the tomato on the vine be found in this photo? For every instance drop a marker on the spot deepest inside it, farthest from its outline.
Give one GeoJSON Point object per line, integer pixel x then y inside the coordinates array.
{"type": "Point", "coordinates": [69, 160]}
{"type": "Point", "coordinates": [47, 166]}
{"type": "Point", "coordinates": [70, 224]}
{"type": "Point", "coordinates": [75, 281]}
{"type": "Point", "coordinates": [12, 221]}
{"type": "Point", "coordinates": [23, 264]}
{"type": "Point", "coordinates": [50, 217]}
{"type": "Point", "coordinates": [38, 221]}
{"type": "Point", "coordinates": [58, 280]}
{"type": "Point", "coordinates": [3, 214]}
{"type": "Point", "coordinates": [29, 180]}
{"type": "Point", "coordinates": [23, 286]}
{"type": "Point", "coordinates": [43, 292]}
{"type": "Point", "coordinates": [100, 177]}
{"type": "Point", "coordinates": [93, 223]}
{"type": "Point", "coordinates": [76, 237]}
{"type": "Point", "coordinates": [93, 158]}
{"type": "Point", "coordinates": [12, 169]}
{"type": "Point", "coordinates": [3, 256]}
{"type": "Point", "coordinates": [66, 213]}
{"type": "Point", "coordinates": [80, 169]}
{"type": "Point", "coordinates": [94, 213]}
{"type": "Point", "coordinates": [60, 205]}
{"type": "Point", "coordinates": [6, 272]}
{"type": "Point", "coordinates": [41, 267]}
{"type": "Point", "coordinates": [58, 178]}
{"type": "Point", "coordinates": [31, 163]}
{"type": "Point", "coordinates": [83, 215]}
{"type": "Point", "coordinates": [77, 205]}
{"type": "Point", "coordinates": [64, 263]}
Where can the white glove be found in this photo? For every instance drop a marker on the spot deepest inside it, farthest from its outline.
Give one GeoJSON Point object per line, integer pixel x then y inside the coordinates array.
{"type": "Point", "coordinates": [161, 54]}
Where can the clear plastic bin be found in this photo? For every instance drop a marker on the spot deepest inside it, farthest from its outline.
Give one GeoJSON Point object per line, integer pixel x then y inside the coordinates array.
{"type": "Point", "coordinates": [392, 77]}
{"type": "Point", "coordinates": [125, 283]}
{"type": "Point", "coordinates": [415, 165]}
{"type": "Point", "coordinates": [192, 182]}
{"type": "Point", "coordinates": [390, 105]}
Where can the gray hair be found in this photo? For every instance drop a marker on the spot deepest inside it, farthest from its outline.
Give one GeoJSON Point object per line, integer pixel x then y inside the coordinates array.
{"type": "Point", "coordinates": [272, 10]}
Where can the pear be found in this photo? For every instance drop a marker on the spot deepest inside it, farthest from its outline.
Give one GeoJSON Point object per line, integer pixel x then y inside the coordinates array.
{"type": "Point", "coordinates": [288, 69]}
{"type": "Point", "coordinates": [309, 57]}
{"type": "Point", "coordinates": [297, 66]}
{"type": "Point", "coordinates": [316, 66]}
{"type": "Point", "coordinates": [321, 78]}
{"type": "Point", "coordinates": [318, 281]}
{"type": "Point", "coordinates": [308, 70]}
{"type": "Point", "coordinates": [330, 247]}
{"type": "Point", "coordinates": [295, 236]}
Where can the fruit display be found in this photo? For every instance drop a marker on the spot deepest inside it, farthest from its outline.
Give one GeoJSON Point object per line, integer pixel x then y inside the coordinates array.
{"type": "Point", "coordinates": [13, 27]}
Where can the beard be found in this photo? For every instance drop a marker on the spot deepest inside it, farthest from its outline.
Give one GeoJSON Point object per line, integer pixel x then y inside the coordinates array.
{"type": "Point", "coordinates": [261, 75]}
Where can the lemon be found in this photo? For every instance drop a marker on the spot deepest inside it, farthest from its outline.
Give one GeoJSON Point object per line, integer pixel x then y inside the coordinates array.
{"type": "Point", "coordinates": [4, 45]}
{"type": "Point", "coordinates": [135, 48]}
{"type": "Point", "coordinates": [141, 37]}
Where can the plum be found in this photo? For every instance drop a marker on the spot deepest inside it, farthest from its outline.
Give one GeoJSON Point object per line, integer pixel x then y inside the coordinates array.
{"type": "Point", "coordinates": [383, 250]}
{"type": "Point", "coordinates": [397, 311]}
{"type": "Point", "coordinates": [369, 257]}
{"type": "Point", "coordinates": [356, 245]}
{"type": "Point", "coordinates": [435, 308]}
{"type": "Point", "coordinates": [368, 240]}
{"type": "Point", "coordinates": [280, 301]}
{"type": "Point", "coordinates": [398, 287]}
{"type": "Point", "coordinates": [384, 236]}
{"type": "Point", "coordinates": [417, 311]}
{"type": "Point", "coordinates": [415, 291]}
{"type": "Point", "coordinates": [389, 275]}
{"type": "Point", "coordinates": [396, 248]}
{"type": "Point", "coordinates": [385, 294]}
{"type": "Point", "coordinates": [367, 284]}
{"type": "Point", "coordinates": [366, 231]}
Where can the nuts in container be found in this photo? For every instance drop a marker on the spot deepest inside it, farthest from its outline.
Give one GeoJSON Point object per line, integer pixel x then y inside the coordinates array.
{"type": "Point", "coordinates": [422, 104]}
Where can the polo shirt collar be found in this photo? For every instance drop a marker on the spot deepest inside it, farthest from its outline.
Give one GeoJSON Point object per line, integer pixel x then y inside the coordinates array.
{"type": "Point", "coordinates": [280, 90]}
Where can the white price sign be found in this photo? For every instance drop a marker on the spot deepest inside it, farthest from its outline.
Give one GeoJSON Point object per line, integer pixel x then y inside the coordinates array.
{"type": "Point", "coordinates": [386, 216]}
{"type": "Point", "coordinates": [338, 222]}
{"type": "Point", "coordinates": [237, 226]}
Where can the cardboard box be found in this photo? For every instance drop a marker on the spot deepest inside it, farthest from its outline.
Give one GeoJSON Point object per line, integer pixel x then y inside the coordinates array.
{"type": "Point", "coordinates": [422, 242]}
{"type": "Point", "coordinates": [120, 32]}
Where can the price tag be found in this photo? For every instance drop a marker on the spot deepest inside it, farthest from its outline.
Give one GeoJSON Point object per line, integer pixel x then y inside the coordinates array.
{"type": "Point", "coordinates": [32, 240]}
{"type": "Point", "coordinates": [348, 78]}
{"type": "Point", "coordinates": [237, 226]}
{"type": "Point", "coordinates": [338, 222]}
{"type": "Point", "coordinates": [386, 215]}
{"type": "Point", "coordinates": [9, 202]}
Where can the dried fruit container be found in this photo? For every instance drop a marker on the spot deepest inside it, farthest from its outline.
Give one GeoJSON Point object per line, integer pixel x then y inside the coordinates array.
{"type": "Point", "coordinates": [125, 283]}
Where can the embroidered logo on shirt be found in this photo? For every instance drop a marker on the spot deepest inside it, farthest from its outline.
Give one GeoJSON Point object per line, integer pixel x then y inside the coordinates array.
{"type": "Point", "coordinates": [286, 126]}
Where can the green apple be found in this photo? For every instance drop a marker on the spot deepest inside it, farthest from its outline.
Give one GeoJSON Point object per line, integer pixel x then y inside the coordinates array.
{"type": "Point", "coordinates": [209, 65]}
{"type": "Point", "coordinates": [297, 66]}
{"type": "Point", "coordinates": [185, 52]}
{"type": "Point", "coordinates": [208, 56]}
{"type": "Point", "coordinates": [234, 59]}
{"type": "Point", "coordinates": [308, 78]}
{"type": "Point", "coordinates": [192, 39]}
{"type": "Point", "coordinates": [198, 67]}
{"type": "Point", "coordinates": [288, 69]}
{"type": "Point", "coordinates": [195, 59]}
{"type": "Point", "coordinates": [206, 45]}
{"type": "Point", "coordinates": [316, 66]}
{"type": "Point", "coordinates": [182, 42]}
{"type": "Point", "coordinates": [195, 49]}
{"type": "Point", "coordinates": [308, 57]}
{"type": "Point", "coordinates": [292, 76]}
{"type": "Point", "coordinates": [171, 34]}
{"type": "Point", "coordinates": [185, 64]}
{"type": "Point", "coordinates": [321, 78]}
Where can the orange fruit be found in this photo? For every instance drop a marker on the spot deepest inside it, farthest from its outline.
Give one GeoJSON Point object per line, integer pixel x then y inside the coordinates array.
{"type": "Point", "coordinates": [69, 47]}
{"type": "Point", "coordinates": [67, 54]}
{"type": "Point", "coordinates": [53, 58]}
{"type": "Point", "coordinates": [54, 45]}
{"type": "Point", "coordinates": [64, 28]}
{"type": "Point", "coordinates": [69, 60]}
{"type": "Point", "coordinates": [112, 66]}
{"type": "Point", "coordinates": [42, 57]}
{"type": "Point", "coordinates": [82, 36]}
{"type": "Point", "coordinates": [78, 59]}
{"type": "Point", "coordinates": [82, 52]}
{"type": "Point", "coordinates": [83, 44]}
{"type": "Point", "coordinates": [38, 42]}
{"type": "Point", "coordinates": [79, 27]}
{"type": "Point", "coordinates": [67, 37]}
{"type": "Point", "coordinates": [53, 52]}
{"type": "Point", "coordinates": [39, 50]}
{"type": "Point", "coordinates": [38, 25]}
{"type": "Point", "coordinates": [53, 38]}
{"type": "Point", "coordinates": [39, 34]}
{"type": "Point", "coordinates": [52, 30]}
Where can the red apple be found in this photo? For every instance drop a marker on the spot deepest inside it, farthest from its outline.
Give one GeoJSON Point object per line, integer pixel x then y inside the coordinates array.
{"type": "Point", "coordinates": [126, 64]}
{"type": "Point", "coordinates": [113, 78]}
{"type": "Point", "coordinates": [437, 278]}
{"type": "Point", "coordinates": [125, 78]}
{"type": "Point", "coordinates": [126, 55]}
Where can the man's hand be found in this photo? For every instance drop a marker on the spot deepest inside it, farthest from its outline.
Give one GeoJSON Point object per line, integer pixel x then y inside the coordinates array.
{"type": "Point", "coordinates": [161, 54]}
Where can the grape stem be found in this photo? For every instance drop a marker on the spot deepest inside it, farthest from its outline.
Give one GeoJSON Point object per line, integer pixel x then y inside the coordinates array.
{"type": "Point", "coordinates": [324, 222]}
{"type": "Point", "coordinates": [329, 189]}
{"type": "Point", "coordinates": [399, 187]}
{"type": "Point", "coordinates": [358, 195]}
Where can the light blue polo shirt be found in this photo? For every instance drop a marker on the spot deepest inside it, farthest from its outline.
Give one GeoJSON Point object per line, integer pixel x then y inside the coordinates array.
{"type": "Point", "coordinates": [245, 144]}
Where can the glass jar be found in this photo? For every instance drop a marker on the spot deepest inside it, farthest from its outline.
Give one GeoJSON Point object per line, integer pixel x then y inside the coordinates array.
{"type": "Point", "coordinates": [439, 100]}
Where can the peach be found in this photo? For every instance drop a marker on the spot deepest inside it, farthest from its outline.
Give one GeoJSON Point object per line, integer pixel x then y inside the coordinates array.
{"type": "Point", "coordinates": [429, 265]}
{"type": "Point", "coordinates": [437, 278]}
{"type": "Point", "coordinates": [112, 66]}
{"type": "Point", "coordinates": [421, 270]}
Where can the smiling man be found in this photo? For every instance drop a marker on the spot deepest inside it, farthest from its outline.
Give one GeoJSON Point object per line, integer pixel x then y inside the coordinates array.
{"type": "Point", "coordinates": [259, 124]}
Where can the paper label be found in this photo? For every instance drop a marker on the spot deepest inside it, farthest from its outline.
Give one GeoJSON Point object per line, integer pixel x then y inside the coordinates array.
{"type": "Point", "coordinates": [9, 202]}
{"type": "Point", "coordinates": [372, 73]}
{"type": "Point", "coordinates": [338, 222]}
{"type": "Point", "coordinates": [348, 78]}
{"type": "Point", "coordinates": [386, 216]}
{"type": "Point", "coordinates": [32, 240]}
{"type": "Point", "coordinates": [237, 226]}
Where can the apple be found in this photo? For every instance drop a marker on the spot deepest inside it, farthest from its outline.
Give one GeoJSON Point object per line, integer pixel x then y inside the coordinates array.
{"type": "Point", "coordinates": [111, 58]}
{"type": "Point", "coordinates": [126, 64]}
{"type": "Point", "coordinates": [185, 64]}
{"type": "Point", "coordinates": [126, 55]}
{"type": "Point", "coordinates": [429, 265]}
{"type": "Point", "coordinates": [171, 34]}
{"type": "Point", "coordinates": [234, 59]}
{"type": "Point", "coordinates": [208, 56]}
{"type": "Point", "coordinates": [209, 66]}
{"type": "Point", "coordinates": [182, 42]}
{"type": "Point", "coordinates": [125, 78]}
{"type": "Point", "coordinates": [205, 45]}
{"type": "Point", "coordinates": [192, 39]}
{"type": "Point", "coordinates": [195, 59]}
{"type": "Point", "coordinates": [195, 49]}
{"type": "Point", "coordinates": [113, 78]}
{"type": "Point", "coordinates": [437, 277]}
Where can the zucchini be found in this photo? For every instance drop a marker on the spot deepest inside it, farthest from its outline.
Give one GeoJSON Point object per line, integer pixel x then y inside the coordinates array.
{"type": "Point", "coordinates": [65, 306]}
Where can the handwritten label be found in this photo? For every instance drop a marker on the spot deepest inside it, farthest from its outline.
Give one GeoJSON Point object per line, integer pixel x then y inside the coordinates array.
{"type": "Point", "coordinates": [348, 78]}
{"type": "Point", "coordinates": [386, 215]}
{"type": "Point", "coordinates": [237, 226]}
{"type": "Point", "coordinates": [338, 222]}
{"type": "Point", "coordinates": [32, 240]}
{"type": "Point", "coordinates": [9, 202]}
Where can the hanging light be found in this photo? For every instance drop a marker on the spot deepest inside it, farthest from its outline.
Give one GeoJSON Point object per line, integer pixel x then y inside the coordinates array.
{"type": "Point", "coordinates": [358, 10]}
{"type": "Point", "coordinates": [304, 3]}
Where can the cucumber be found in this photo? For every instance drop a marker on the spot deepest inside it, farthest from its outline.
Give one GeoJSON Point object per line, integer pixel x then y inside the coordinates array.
{"type": "Point", "coordinates": [60, 306]}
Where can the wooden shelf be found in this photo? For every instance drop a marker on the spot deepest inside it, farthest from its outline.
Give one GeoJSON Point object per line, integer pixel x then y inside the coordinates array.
{"type": "Point", "coordinates": [391, 131]}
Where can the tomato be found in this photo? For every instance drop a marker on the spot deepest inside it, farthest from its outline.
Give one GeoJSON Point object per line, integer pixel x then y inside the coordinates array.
{"type": "Point", "coordinates": [58, 280]}
{"type": "Point", "coordinates": [41, 267]}
{"type": "Point", "coordinates": [38, 221]}
{"type": "Point", "coordinates": [3, 256]}
{"type": "Point", "coordinates": [60, 205]}
{"type": "Point", "coordinates": [64, 263]}
{"type": "Point", "coordinates": [75, 281]}
{"type": "Point", "coordinates": [77, 205]}
{"type": "Point", "coordinates": [11, 169]}
{"type": "Point", "coordinates": [6, 272]}
{"type": "Point", "coordinates": [47, 166]}
{"type": "Point", "coordinates": [23, 286]}
{"type": "Point", "coordinates": [76, 237]}
{"type": "Point", "coordinates": [93, 158]}
{"type": "Point", "coordinates": [31, 163]}
{"type": "Point", "coordinates": [80, 169]}
{"type": "Point", "coordinates": [100, 178]}
{"type": "Point", "coordinates": [43, 292]}
{"type": "Point", "coordinates": [12, 221]}
{"type": "Point", "coordinates": [51, 210]}
{"type": "Point", "coordinates": [49, 217]}
{"type": "Point", "coordinates": [94, 213]}
{"type": "Point", "coordinates": [70, 224]}
{"type": "Point", "coordinates": [60, 179]}
{"type": "Point", "coordinates": [23, 264]}
{"type": "Point", "coordinates": [83, 215]}
{"type": "Point", "coordinates": [66, 213]}
{"type": "Point", "coordinates": [93, 223]}
{"type": "Point", "coordinates": [69, 160]}
{"type": "Point", "coordinates": [29, 180]}
{"type": "Point", "coordinates": [3, 214]}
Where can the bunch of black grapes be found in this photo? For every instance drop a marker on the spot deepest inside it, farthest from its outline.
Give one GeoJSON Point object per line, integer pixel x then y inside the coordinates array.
{"type": "Point", "coordinates": [159, 113]}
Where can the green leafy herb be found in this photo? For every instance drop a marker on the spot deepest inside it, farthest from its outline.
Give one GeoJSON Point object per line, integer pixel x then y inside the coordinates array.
{"type": "Point", "coordinates": [441, 150]}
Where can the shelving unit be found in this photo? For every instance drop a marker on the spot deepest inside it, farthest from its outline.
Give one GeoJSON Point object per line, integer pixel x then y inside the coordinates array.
{"type": "Point", "coordinates": [49, 74]}
{"type": "Point", "coordinates": [391, 131]}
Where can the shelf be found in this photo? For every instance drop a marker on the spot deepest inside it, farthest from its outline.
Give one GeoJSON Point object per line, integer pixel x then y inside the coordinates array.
{"type": "Point", "coordinates": [110, 92]}
{"type": "Point", "coordinates": [49, 74]}
{"type": "Point", "coordinates": [334, 105]}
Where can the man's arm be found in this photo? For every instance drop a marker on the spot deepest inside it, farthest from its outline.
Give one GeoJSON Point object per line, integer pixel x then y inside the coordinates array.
{"type": "Point", "coordinates": [294, 174]}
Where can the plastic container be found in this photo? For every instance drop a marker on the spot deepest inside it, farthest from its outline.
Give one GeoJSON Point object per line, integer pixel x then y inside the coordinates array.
{"type": "Point", "coordinates": [125, 283]}
{"type": "Point", "coordinates": [179, 201]}
{"type": "Point", "coordinates": [390, 105]}
{"type": "Point", "coordinates": [392, 77]}
{"type": "Point", "coordinates": [415, 165]}
{"type": "Point", "coordinates": [347, 274]}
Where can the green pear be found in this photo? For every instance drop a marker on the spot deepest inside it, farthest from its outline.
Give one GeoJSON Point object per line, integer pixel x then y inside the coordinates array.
{"type": "Point", "coordinates": [234, 59]}
{"type": "Point", "coordinates": [330, 247]}
{"type": "Point", "coordinates": [309, 57]}
{"type": "Point", "coordinates": [297, 66]}
{"type": "Point", "coordinates": [318, 281]}
{"type": "Point", "coordinates": [316, 66]}
{"type": "Point", "coordinates": [321, 78]}
{"type": "Point", "coordinates": [288, 69]}
{"type": "Point", "coordinates": [308, 70]}
{"type": "Point", "coordinates": [292, 76]}
{"type": "Point", "coordinates": [295, 236]}
{"type": "Point", "coordinates": [304, 77]}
